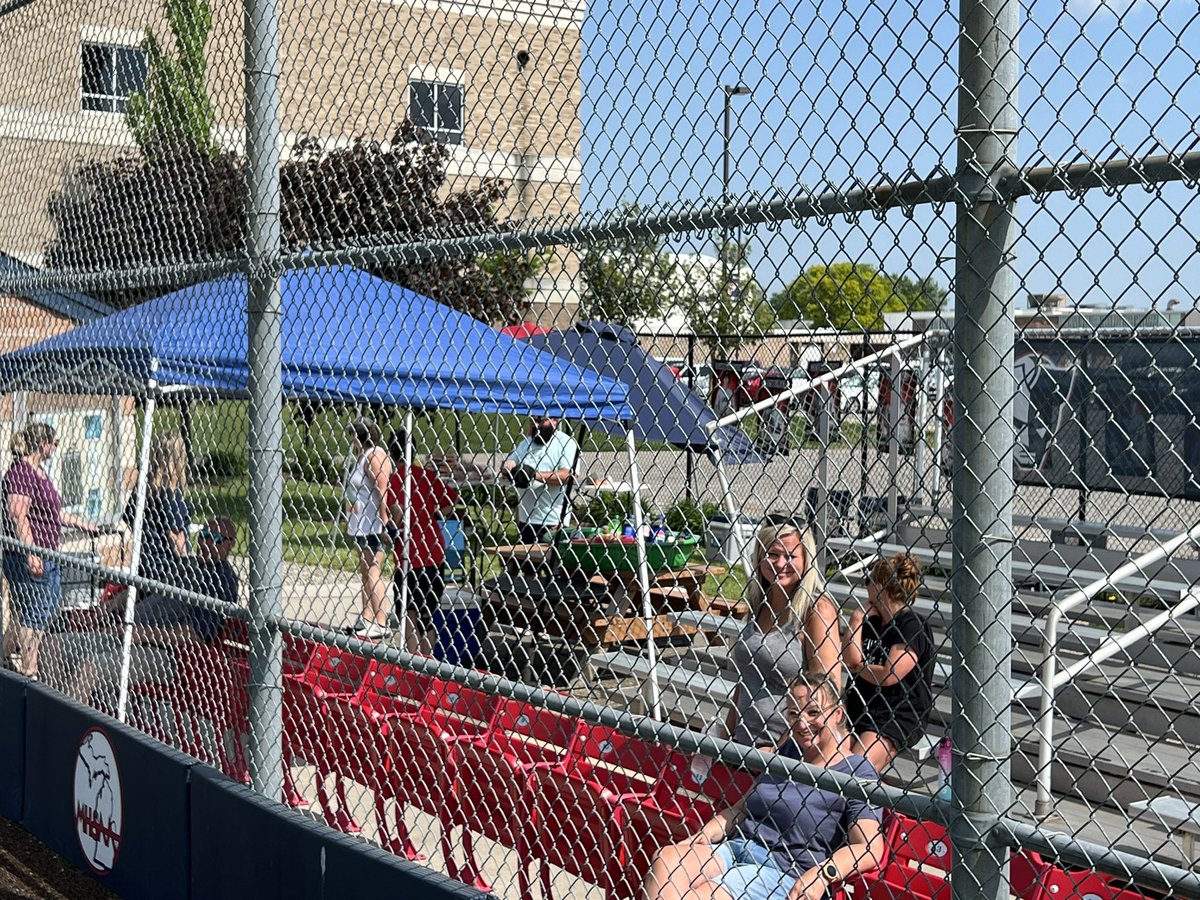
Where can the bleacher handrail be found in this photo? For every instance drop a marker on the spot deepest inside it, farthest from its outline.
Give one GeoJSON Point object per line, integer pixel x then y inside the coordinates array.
{"type": "Point", "coordinates": [1048, 681]}
{"type": "Point", "coordinates": [810, 383]}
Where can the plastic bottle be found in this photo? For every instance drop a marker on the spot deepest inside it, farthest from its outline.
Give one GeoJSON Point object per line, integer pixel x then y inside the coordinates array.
{"type": "Point", "coordinates": [945, 759]}
{"type": "Point", "coordinates": [661, 533]}
{"type": "Point", "coordinates": [628, 529]}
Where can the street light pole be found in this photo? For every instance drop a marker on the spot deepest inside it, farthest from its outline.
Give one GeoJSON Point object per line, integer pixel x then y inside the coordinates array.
{"type": "Point", "coordinates": [730, 91]}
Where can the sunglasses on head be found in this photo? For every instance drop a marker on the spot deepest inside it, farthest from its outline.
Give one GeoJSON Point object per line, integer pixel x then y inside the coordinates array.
{"type": "Point", "coordinates": [215, 536]}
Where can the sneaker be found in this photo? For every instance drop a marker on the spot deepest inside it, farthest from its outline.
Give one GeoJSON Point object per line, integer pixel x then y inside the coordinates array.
{"type": "Point", "coordinates": [393, 621]}
{"type": "Point", "coordinates": [371, 631]}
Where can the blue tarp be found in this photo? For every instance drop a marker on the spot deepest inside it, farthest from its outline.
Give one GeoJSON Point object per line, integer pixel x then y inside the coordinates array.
{"type": "Point", "coordinates": [666, 409]}
{"type": "Point", "coordinates": [346, 335]}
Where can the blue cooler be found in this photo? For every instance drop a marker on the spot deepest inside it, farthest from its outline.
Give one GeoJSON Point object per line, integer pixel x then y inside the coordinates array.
{"type": "Point", "coordinates": [457, 623]}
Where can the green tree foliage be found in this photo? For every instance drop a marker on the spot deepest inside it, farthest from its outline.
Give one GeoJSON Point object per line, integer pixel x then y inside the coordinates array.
{"type": "Point", "coordinates": [853, 297]}
{"type": "Point", "coordinates": [175, 108]}
{"type": "Point", "coordinates": [725, 305]}
{"type": "Point", "coordinates": [628, 279]}
{"type": "Point", "coordinates": [184, 205]}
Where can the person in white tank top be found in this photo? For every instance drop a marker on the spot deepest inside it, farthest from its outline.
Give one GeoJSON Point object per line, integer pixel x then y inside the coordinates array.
{"type": "Point", "coordinates": [365, 518]}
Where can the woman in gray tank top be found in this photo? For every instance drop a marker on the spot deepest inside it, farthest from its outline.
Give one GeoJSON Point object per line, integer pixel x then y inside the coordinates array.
{"type": "Point", "coordinates": [793, 629]}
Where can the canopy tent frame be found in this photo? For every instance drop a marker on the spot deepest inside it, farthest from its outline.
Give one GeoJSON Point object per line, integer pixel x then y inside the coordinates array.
{"type": "Point", "coordinates": [51, 367]}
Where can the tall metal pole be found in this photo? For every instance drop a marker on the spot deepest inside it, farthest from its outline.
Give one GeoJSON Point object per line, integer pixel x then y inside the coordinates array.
{"type": "Point", "coordinates": [729, 91]}
{"type": "Point", "coordinates": [266, 396]}
{"type": "Point", "coordinates": [983, 439]}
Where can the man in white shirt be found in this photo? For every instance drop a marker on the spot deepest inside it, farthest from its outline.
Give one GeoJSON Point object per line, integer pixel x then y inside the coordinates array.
{"type": "Point", "coordinates": [541, 467]}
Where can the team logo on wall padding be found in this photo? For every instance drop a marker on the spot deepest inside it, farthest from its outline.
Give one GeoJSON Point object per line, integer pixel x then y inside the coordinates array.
{"type": "Point", "coordinates": [98, 802]}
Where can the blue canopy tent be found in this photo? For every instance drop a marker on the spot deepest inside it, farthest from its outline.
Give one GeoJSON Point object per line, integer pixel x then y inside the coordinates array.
{"type": "Point", "coordinates": [346, 336]}
{"type": "Point", "coordinates": [666, 410]}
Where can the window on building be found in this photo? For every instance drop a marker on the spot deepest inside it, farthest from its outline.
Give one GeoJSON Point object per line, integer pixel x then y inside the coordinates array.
{"type": "Point", "coordinates": [72, 478]}
{"type": "Point", "coordinates": [110, 74]}
{"type": "Point", "coordinates": [439, 108]}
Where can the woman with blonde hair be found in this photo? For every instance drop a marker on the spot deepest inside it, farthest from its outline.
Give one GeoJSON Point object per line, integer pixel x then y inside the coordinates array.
{"type": "Point", "coordinates": [793, 628]}
{"type": "Point", "coordinates": [33, 514]}
{"type": "Point", "coordinates": [168, 515]}
{"type": "Point", "coordinates": [365, 518]}
{"type": "Point", "coordinates": [890, 652]}
{"type": "Point", "coordinates": [783, 839]}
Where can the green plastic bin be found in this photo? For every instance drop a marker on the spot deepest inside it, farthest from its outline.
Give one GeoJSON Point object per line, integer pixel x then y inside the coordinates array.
{"type": "Point", "coordinates": [614, 556]}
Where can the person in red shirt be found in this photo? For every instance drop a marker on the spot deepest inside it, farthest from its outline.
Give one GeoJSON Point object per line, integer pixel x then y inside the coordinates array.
{"type": "Point", "coordinates": [431, 500]}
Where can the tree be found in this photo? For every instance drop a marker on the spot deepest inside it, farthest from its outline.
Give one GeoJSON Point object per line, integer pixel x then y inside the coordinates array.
{"type": "Point", "coordinates": [183, 205]}
{"type": "Point", "coordinates": [175, 109]}
{"type": "Point", "coordinates": [852, 296]}
{"type": "Point", "coordinates": [626, 280]}
{"type": "Point", "coordinates": [725, 305]}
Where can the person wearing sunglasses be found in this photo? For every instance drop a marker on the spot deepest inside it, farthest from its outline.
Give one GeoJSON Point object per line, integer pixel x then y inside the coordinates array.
{"type": "Point", "coordinates": [34, 515]}
{"type": "Point", "coordinates": [784, 840]}
{"type": "Point", "coordinates": [87, 666]}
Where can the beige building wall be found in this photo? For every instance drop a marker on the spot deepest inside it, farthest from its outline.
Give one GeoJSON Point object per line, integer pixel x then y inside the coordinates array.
{"type": "Point", "coordinates": [346, 68]}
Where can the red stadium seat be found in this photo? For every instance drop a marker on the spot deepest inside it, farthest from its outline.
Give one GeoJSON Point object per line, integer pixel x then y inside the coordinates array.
{"type": "Point", "coordinates": [359, 726]}
{"type": "Point", "coordinates": [420, 762]}
{"type": "Point", "coordinates": [577, 804]}
{"type": "Point", "coordinates": [678, 806]}
{"type": "Point", "coordinates": [1057, 883]}
{"type": "Point", "coordinates": [307, 728]}
{"type": "Point", "coordinates": [491, 779]}
{"type": "Point", "coordinates": [918, 864]}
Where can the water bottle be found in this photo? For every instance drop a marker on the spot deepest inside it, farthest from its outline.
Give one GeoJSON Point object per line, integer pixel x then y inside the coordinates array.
{"type": "Point", "coordinates": [628, 529]}
{"type": "Point", "coordinates": [661, 532]}
{"type": "Point", "coordinates": [945, 759]}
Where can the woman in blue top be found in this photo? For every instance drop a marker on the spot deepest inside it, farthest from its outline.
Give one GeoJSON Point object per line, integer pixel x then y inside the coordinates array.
{"type": "Point", "coordinates": [784, 840]}
{"type": "Point", "coordinates": [168, 515]}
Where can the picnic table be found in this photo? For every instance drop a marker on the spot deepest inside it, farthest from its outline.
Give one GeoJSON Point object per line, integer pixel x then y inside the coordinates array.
{"type": "Point", "coordinates": [582, 611]}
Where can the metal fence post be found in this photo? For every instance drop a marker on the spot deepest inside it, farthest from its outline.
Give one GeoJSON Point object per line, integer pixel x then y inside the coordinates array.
{"type": "Point", "coordinates": [983, 442]}
{"type": "Point", "coordinates": [266, 396]}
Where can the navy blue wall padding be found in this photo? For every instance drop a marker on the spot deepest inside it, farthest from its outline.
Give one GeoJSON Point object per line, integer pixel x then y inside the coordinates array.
{"type": "Point", "coordinates": [12, 745]}
{"type": "Point", "coordinates": [246, 846]}
{"type": "Point", "coordinates": [152, 856]}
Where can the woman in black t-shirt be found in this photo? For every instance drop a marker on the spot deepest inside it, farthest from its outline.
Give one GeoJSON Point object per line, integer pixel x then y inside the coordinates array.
{"type": "Point", "coordinates": [890, 653]}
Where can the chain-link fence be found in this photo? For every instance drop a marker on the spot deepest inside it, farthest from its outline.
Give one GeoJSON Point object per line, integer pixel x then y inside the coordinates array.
{"type": "Point", "coordinates": [624, 449]}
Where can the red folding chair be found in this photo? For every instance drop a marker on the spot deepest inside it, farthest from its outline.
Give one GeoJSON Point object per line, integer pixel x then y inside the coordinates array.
{"type": "Point", "coordinates": [421, 772]}
{"type": "Point", "coordinates": [308, 731]}
{"type": "Point", "coordinates": [491, 779]}
{"type": "Point", "coordinates": [677, 808]}
{"type": "Point", "coordinates": [576, 822]}
{"type": "Point", "coordinates": [359, 751]}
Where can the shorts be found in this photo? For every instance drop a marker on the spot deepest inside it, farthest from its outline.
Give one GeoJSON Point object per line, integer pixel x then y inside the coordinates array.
{"type": "Point", "coordinates": [35, 598]}
{"type": "Point", "coordinates": [370, 543]}
{"type": "Point", "coordinates": [901, 733]}
{"type": "Point", "coordinates": [751, 871]}
{"type": "Point", "coordinates": [426, 586]}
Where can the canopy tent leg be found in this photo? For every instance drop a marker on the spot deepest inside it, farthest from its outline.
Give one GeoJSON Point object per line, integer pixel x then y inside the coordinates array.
{"type": "Point", "coordinates": [135, 552]}
{"type": "Point", "coordinates": [652, 700]}
{"type": "Point", "coordinates": [406, 546]}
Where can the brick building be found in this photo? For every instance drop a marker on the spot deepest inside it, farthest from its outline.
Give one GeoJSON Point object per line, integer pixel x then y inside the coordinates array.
{"type": "Point", "coordinates": [498, 80]}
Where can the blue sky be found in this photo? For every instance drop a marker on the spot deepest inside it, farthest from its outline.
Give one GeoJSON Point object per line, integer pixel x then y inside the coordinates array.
{"type": "Point", "coordinates": [868, 90]}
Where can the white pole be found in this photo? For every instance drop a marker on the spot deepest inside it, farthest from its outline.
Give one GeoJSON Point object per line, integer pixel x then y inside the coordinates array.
{"type": "Point", "coordinates": [894, 414]}
{"type": "Point", "coordinates": [643, 573]}
{"type": "Point", "coordinates": [824, 398]}
{"type": "Point", "coordinates": [920, 450]}
{"type": "Point", "coordinates": [939, 403]}
{"type": "Point", "coordinates": [135, 553]}
{"type": "Point", "coordinates": [406, 552]}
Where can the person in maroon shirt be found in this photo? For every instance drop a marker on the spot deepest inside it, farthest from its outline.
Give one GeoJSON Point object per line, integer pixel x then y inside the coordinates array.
{"type": "Point", "coordinates": [33, 514]}
{"type": "Point", "coordinates": [431, 497]}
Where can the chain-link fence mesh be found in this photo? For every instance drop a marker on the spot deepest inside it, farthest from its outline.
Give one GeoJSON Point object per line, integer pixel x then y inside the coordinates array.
{"type": "Point", "coordinates": [659, 386]}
